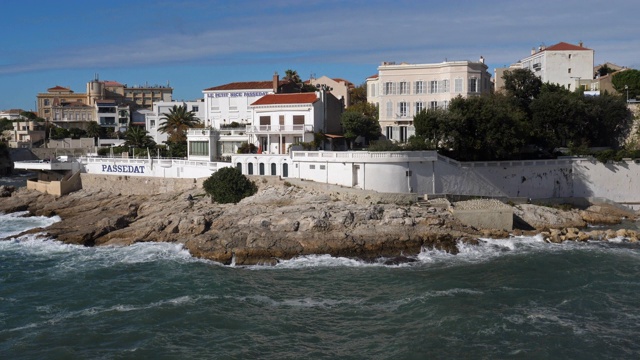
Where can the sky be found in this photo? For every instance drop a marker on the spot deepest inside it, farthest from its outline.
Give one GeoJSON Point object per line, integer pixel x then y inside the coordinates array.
{"type": "Point", "coordinates": [197, 44]}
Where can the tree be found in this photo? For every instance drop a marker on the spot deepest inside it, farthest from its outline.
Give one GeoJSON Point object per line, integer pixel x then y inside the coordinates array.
{"type": "Point", "coordinates": [629, 78]}
{"type": "Point", "coordinates": [292, 75]}
{"type": "Point", "coordinates": [93, 130]}
{"type": "Point", "coordinates": [228, 185]}
{"type": "Point", "coordinates": [433, 127]}
{"type": "Point", "coordinates": [356, 124]}
{"type": "Point", "coordinates": [358, 94]}
{"type": "Point", "coordinates": [137, 136]}
{"type": "Point", "coordinates": [77, 133]}
{"type": "Point", "coordinates": [522, 85]}
{"type": "Point", "coordinates": [247, 148]}
{"type": "Point", "coordinates": [177, 122]}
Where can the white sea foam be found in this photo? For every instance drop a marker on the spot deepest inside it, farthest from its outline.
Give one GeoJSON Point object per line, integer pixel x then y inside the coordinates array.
{"type": "Point", "coordinates": [17, 222]}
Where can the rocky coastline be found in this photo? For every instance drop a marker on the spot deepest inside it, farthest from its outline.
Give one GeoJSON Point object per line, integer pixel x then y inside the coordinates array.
{"type": "Point", "coordinates": [283, 221]}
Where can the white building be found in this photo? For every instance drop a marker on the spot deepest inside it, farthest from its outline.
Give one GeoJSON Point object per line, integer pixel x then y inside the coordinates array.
{"type": "Point", "coordinates": [229, 103]}
{"type": "Point", "coordinates": [403, 90]}
{"type": "Point", "coordinates": [282, 120]}
{"type": "Point", "coordinates": [153, 119]}
{"type": "Point", "coordinates": [565, 64]}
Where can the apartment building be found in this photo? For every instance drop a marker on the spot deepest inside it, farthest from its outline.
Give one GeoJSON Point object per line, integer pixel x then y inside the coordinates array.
{"type": "Point", "coordinates": [403, 90]}
{"type": "Point", "coordinates": [565, 64]}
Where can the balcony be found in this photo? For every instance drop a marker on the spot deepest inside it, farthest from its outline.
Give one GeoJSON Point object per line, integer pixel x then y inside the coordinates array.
{"type": "Point", "coordinates": [279, 129]}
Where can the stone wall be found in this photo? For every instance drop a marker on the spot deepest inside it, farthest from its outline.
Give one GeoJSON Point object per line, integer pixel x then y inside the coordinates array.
{"type": "Point", "coordinates": [129, 185]}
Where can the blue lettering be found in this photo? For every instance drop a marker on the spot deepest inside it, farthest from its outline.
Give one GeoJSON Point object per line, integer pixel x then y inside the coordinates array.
{"type": "Point", "coordinates": [123, 169]}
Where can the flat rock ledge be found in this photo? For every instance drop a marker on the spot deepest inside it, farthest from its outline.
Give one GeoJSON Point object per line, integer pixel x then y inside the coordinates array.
{"type": "Point", "coordinates": [283, 221]}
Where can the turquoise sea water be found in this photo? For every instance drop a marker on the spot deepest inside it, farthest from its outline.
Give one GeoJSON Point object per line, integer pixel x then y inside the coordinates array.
{"type": "Point", "coordinates": [516, 298]}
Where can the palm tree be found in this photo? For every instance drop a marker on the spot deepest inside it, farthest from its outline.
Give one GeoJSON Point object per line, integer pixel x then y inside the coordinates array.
{"type": "Point", "coordinates": [177, 122]}
{"type": "Point", "coordinates": [138, 137]}
{"type": "Point", "coordinates": [93, 130]}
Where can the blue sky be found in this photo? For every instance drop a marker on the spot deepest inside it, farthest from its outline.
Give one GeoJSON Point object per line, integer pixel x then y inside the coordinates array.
{"type": "Point", "coordinates": [196, 44]}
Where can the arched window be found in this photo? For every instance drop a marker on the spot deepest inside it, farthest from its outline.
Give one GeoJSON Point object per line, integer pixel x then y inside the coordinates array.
{"type": "Point", "coordinates": [285, 170]}
{"type": "Point", "coordinates": [273, 168]}
{"type": "Point", "coordinates": [250, 169]}
{"type": "Point", "coordinates": [239, 166]}
{"type": "Point", "coordinates": [261, 167]}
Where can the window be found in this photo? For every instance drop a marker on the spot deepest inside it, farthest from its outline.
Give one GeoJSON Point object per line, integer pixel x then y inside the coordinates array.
{"type": "Point", "coordinates": [433, 87]}
{"type": "Point", "coordinates": [265, 120]}
{"type": "Point", "coordinates": [458, 86]}
{"type": "Point", "coordinates": [250, 169]}
{"type": "Point", "coordinates": [444, 86]}
{"type": "Point", "coordinates": [195, 109]}
{"type": "Point", "coordinates": [298, 119]}
{"type": "Point", "coordinates": [297, 139]}
{"type": "Point", "coordinates": [419, 107]}
{"type": "Point", "coordinates": [281, 117]}
{"type": "Point", "coordinates": [273, 168]}
{"type": "Point", "coordinates": [473, 85]}
{"type": "Point", "coordinates": [404, 88]}
{"type": "Point", "coordinates": [312, 167]}
{"type": "Point", "coordinates": [569, 71]}
{"type": "Point", "coordinates": [402, 109]}
{"type": "Point", "coordinates": [373, 90]}
{"type": "Point", "coordinates": [46, 102]}
{"type": "Point", "coordinates": [199, 148]}
{"type": "Point", "coordinates": [261, 169]}
{"type": "Point", "coordinates": [419, 87]}
{"type": "Point", "coordinates": [389, 109]}
{"type": "Point", "coordinates": [389, 88]}
{"type": "Point", "coordinates": [152, 123]}
{"type": "Point", "coordinates": [433, 105]}
{"type": "Point", "coordinates": [569, 56]}
{"type": "Point", "coordinates": [323, 167]}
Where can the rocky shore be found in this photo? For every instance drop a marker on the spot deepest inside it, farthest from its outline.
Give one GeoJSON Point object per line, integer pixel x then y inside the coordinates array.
{"type": "Point", "coordinates": [283, 221]}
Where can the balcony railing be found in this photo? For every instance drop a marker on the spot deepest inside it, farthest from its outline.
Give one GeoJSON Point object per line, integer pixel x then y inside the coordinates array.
{"type": "Point", "coordinates": [279, 129]}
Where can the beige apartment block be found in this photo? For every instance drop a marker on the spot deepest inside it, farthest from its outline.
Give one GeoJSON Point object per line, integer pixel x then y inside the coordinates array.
{"type": "Point", "coordinates": [403, 90]}
{"type": "Point", "coordinates": [340, 88]}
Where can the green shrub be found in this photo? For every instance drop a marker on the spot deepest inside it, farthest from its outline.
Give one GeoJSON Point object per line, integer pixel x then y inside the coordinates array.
{"type": "Point", "coordinates": [228, 185]}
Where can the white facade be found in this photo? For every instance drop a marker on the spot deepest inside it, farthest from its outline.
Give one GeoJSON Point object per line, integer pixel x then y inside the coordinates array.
{"type": "Point", "coordinates": [564, 64]}
{"type": "Point", "coordinates": [401, 91]}
{"type": "Point", "coordinates": [154, 118]}
{"type": "Point", "coordinates": [227, 104]}
{"type": "Point", "coordinates": [282, 120]}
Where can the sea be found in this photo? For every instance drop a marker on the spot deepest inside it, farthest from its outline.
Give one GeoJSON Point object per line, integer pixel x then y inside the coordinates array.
{"type": "Point", "coordinates": [515, 298]}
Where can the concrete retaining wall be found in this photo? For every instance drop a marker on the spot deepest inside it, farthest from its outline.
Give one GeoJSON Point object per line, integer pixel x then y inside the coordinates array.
{"type": "Point", "coordinates": [130, 185]}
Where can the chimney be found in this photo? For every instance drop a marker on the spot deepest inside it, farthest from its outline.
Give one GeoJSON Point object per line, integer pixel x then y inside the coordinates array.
{"type": "Point", "coordinates": [533, 51]}
{"type": "Point", "coordinates": [276, 82]}
{"type": "Point", "coordinates": [481, 59]}
{"type": "Point", "coordinates": [580, 43]}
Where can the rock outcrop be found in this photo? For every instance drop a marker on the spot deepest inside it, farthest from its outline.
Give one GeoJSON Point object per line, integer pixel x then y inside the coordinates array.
{"type": "Point", "coordinates": [279, 222]}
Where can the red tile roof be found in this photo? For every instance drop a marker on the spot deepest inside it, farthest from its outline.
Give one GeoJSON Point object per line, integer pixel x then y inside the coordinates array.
{"type": "Point", "coordinates": [299, 98]}
{"type": "Point", "coordinates": [374, 76]}
{"type": "Point", "coordinates": [561, 46]}
{"type": "Point", "coordinates": [58, 88]}
{"type": "Point", "coordinates": [112, 83]}
{"type": "Point", "coordinates": [245, 85]}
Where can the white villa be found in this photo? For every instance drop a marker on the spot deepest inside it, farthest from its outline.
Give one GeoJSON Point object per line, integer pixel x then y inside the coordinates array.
{"type": "Point", "coordinates": [403, 90]}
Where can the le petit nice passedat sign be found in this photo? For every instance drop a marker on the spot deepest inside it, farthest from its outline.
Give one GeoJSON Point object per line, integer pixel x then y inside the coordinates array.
{"type": "Point", "coordinates": [125, 169]}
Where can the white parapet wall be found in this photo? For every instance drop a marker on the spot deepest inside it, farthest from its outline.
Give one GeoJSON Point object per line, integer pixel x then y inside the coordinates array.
{"type": "Point", "coordinates": [151, 167]}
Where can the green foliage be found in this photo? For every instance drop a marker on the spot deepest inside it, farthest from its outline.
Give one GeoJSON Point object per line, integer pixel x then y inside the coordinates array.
{"type": "Point", "coordinates": [433, 126]}
{"type": "Point", "coordinates": [384, 145]}
{"type": "Point", "coordinates": [522, 85]}
{"type": "Point", "coordinates": [358, 95]}
{"type": "Point", "coordinates": [228, 185]}
{"type": "Point", "coordinates": [356, 124]}
{"type": "Point", "coordinates": [247, 148]}
{"type": "Point", "coordinates": [177, 122]}
{"type": "Point", "coordinates": [5, 124]}
{"type": "Point", "coordinates": [77, 133]}
{"type": "Point", "coordinates": [176, 149]}
{"type": "Point", "coordinates": [418, 143]}
{"type": "Point", "coordinates": [367, 109]}
{"type": "Point", "coordinates": [138, 137]}
{"type": "Point", "coordinates": [58, 133]}
{"type": "Point", "coordinates": [629, 78]}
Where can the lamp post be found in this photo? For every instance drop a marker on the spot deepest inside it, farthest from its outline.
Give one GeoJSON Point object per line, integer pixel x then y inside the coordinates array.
{"type": "Point", "coordinates": [626, 87]}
